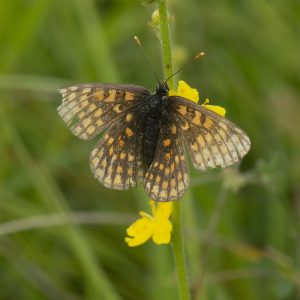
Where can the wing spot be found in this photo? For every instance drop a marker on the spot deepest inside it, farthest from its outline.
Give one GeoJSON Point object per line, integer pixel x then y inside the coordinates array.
{"type": "Point", "coordinates": [173, 193]}
{"type": "Point", "coordinates": [129, 117]}
{"type": "Point", "coordinates": [90, 130]}
{"type": "Point", "coordinates": [99, 96]}
{"type": "Point", "coordinates": [167, 142]}
{"type": "Point", "coordinates": [118, 180]}
{"type": "Point", "coordinates": [98, 113]}
{"type": "Point", "coordinates": [157, 179]}
{"type": "Point", "coordinates": [172, 167]}
{"type": "Point", "coordinates": [99, 122]}
{"type": "Point", "coordinates": [155, 189]}
{"type": "Point", "coordinates": [180, 186]}
{"type": "Point", "coordinates": [173, 129]}
{"type": "Point", "coordinates": [107, 181]}
{"type": "Point", "coordinates": [117, 108]}
{"type": "Point", "coordinates": [131, 157]}
{"type": "Point", "coordinates": [168, 156]}
{"type": "Point", "coordinates": [130, 171]}
{"type": "Point", "coordinates": [121, 143]}
{"type": "Point", "coordinates": [95, 162]}
{"type": "Point", "coordinates": [92, 107]}
{"type": "Point", "coordinates": [201, 141]}
{"type": "Point", "coordinates": [208, 123]}
{"type": "Point", "coordinates": [163, 194]}
{"type": "Point", "coordinates": [167, 171]}
{"type": "Point", "coordinates": [111, 151]}
{"type": "Point", "coordinates": [165, 185]}
{"type": "Point", "coordinates": [123, 155]}
{"type": "Point", "coordinates": [161, 166]}
{"type": "Point", "coordinates": [99, 173]}
{"type": "Point", "coordinates": [173, 182]}
{"type": "Point", "coordinates": [104, 163]}
{"type": "Point", "coordinates": [110, 141]}
{"type": "Point", "coordinates": [119, 170]}
{"type": "Point", "coordinates": [129, 96]}
{"type": "Point", "coordinates": [86, 90]}
{"type": "Point", "coordinates": [194, 147]}
{"type": "Point", "coordinates": [185, 126]}
{"type": "Point", "coordinates": [197, 119]}
{"type": "Point", "coordinates": [182, 110]}
{"type": "Point", "coordinates": [111, 97]}
{"type": "Point", "coordinates": [72, 96]}
{"type": "Point", "coordinates": [177, 159]}
{"type": "Point", "coordinates": [86, 122]}
{"type": "Point", "coordinates": [128, 132]}
{"type": "Point", "coordinates": [81, 114]}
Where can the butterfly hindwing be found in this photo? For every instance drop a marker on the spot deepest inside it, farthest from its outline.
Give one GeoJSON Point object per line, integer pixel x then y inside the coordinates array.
{"type": "Point", "coordinates": [211, 139]}
{"type": "Point", "coordinates": [116, 159]}
{"type": "Point", "coordinates": [90, 108]}
{"type": "Point", "coordinates": [167, 178]}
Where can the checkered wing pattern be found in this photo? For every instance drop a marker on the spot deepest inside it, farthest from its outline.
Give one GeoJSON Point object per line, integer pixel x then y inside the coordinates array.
{"type": "Point", "coordinates": [88, 109]}
{"type": "Point", "coordinates": [116, 160]}
{"type": "Point", "coordinates": [167, 178]}
{"type": "Point", "coordinates": [211, 139]}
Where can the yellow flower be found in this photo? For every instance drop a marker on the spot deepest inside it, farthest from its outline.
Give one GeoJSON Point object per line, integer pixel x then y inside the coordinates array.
{"type": "Point", "coordinates": [184, 90]}
{"type": "Point", "coordinates": [157, 226]}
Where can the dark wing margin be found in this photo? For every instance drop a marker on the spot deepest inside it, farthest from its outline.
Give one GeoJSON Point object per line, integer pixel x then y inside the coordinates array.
{"type": "Point", "coordinates": [211, 139]}
{"type": "Point", "coordinates": [87, 109]}
{"type": "Point", "coordinates": [168, 177]}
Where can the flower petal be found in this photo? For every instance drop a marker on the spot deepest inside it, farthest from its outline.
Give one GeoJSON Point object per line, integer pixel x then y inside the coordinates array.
{"type": "Point", "coordinates": [162, 232]}
{"type": "Point", "coordinates": [215, 108]}
{"type": "Point", "coordinates": [164, 210]}
{"type": "Point", "coordinates": [139, 232]}
{"type": "Point", "coordinates": [184, 90]}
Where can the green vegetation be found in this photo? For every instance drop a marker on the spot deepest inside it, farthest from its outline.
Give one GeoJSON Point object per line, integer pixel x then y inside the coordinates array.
{"type": "Point", "coordinates": [62, 233]}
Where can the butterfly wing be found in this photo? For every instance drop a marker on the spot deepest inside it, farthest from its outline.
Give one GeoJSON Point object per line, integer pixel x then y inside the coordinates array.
{"type": "Point", "coordinates": [167, 178]}
{"type": "Point", "coordinates": [116, 159]}
{"type": "Point", "coordinates": [88, 109]}
{"type": "Point", "coordinates": [211, 139]}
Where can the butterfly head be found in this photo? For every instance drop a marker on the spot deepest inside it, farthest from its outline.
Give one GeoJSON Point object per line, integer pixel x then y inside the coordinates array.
{"type": "Point", "coordinates": [162, 89]}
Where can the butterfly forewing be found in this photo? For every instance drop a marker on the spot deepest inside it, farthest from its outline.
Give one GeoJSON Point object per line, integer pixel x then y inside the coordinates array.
{"type": "Point", "coordinates": [211, 139]}
{"type": "Point", "coordinates": [89, 109]}
{"type": "Point", "coordinates": [167, 178]}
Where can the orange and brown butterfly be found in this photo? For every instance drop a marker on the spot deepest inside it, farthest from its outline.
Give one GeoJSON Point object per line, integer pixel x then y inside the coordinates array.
{"type": "Point", "coordinates": [146, 136]}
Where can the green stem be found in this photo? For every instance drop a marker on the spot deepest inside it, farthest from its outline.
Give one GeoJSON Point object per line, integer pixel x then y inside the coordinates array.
{"type": "Point", "coordinates": [179, 253]}
{"type": "Point", "coordinates": [165, 42]}
{"type": "Point", "coordinates": [178, 244]}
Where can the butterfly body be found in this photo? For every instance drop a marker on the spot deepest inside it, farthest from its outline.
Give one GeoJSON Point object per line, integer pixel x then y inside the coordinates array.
{"type": "Point", "coordinates": [146, 134]}
{"type": "Point", "coordinates": [155, 111]}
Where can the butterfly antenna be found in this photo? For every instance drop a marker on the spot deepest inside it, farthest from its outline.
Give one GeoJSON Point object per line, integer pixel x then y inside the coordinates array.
{"type": "Point", "coordinates": [196, 57]}
{"type": "Point", "coordinates": [145, 57]}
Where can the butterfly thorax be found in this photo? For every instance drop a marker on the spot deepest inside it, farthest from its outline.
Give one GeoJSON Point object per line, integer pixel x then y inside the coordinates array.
{"type": "Point", "coordinates": [152, 124]}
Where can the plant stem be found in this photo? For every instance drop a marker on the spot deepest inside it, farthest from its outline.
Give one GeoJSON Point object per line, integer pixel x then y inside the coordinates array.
{"type": "Point", "coordinates": [178, 245]}
{"type": "Point", "coordinates": [165, 43]}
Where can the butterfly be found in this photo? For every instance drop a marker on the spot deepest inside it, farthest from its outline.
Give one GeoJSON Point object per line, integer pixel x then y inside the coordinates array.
{"type": "Point", "coordinates": [147, 135]}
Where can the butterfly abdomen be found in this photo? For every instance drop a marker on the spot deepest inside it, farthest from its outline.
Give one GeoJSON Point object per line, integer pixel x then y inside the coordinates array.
{"type": "Point", "coordinates": [151, 134]}
{"type": "Point", "coordinates": [152, 126]}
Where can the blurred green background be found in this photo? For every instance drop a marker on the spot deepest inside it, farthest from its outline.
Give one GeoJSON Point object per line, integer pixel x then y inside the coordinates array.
{"type": "Point", "coordinates": [62, 233]}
